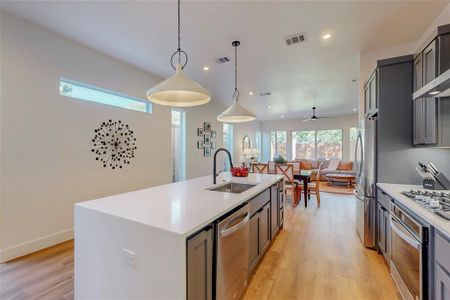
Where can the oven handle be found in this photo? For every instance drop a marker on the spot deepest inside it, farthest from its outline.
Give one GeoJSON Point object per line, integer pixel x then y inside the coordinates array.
{"type": "Point", "coordinates": [406, 237]}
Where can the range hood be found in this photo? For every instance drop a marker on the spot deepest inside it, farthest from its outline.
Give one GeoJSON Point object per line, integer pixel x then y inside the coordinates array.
{"type": "Point", "coordinates": [438, 87]}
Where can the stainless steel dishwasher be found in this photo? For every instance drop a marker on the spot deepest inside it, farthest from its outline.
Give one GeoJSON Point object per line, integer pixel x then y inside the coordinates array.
{"type": "Point", "coordinates": [232, 236]}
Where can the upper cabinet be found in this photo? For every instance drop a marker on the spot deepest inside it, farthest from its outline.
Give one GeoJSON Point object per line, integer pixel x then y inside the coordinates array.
{"type": "Point", "coordinates": [370, 95]}
{"type": "Point", "coordinates": [431, 116]}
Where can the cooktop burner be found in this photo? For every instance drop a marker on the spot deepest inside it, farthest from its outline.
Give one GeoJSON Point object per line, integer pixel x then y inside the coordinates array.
{"type": "Point", "coordinates": [435, 201]}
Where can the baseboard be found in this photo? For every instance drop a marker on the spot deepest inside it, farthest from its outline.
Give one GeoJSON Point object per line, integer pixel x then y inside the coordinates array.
{"type": "Point", "coordinates": [35, 245]}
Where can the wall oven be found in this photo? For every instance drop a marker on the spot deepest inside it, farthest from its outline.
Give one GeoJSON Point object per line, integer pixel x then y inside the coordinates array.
{"type": "Point", "coordinates": [409, 254]}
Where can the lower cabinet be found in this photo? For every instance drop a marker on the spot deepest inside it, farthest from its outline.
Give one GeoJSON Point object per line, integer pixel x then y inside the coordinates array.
{"type": "Point", "coordinates": [383, 231]}
{"type": "Point", "coordinates": [275, 209]}
{"type": "Point", "coordinates": [200, 265]}
{"type": "Point", "coordinates": [441, 268]}
{"type": "Point", "coordinates": [260, 231]}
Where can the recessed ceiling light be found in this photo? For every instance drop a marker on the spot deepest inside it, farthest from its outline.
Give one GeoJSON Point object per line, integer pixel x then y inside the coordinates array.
{"type": "Point", "coordinates": [205, 68]}
{"type": "Point", "coordinates": [269, 106]}
{"type": "Point", "coordinates": [434, 93]}
{"type": "Point", "coordinates": [250, 93]}
{"type": "Point", "coordinates": [354, 109]}
{"type": "Point", "coordinates": [282, 116]}
{"type": "Point", "coordinates": [326, 36]}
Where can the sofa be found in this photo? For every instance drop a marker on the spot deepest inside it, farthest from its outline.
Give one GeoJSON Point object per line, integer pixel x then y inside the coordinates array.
{"type": "Point", "coordinates": [343, 167]}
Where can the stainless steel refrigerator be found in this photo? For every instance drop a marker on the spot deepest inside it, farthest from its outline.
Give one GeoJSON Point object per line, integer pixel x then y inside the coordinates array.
{"type": "Point", "coordinates": [365, 155]}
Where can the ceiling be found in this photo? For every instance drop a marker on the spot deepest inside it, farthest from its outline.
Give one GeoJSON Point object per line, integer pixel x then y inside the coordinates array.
{"type": "Point", "coordinates": [315, 73]}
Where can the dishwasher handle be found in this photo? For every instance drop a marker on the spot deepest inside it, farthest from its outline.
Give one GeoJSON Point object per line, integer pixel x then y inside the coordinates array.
{"type": "Point", "coordinates": [227, 231]}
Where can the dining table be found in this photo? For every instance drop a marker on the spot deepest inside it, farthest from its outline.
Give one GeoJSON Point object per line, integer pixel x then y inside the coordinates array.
{"type": "Point", "coordinates": [305, 177]}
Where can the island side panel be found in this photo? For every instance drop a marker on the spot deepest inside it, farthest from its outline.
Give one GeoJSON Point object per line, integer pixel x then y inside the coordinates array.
{"type": "Point", "coordinates": [104, 271]}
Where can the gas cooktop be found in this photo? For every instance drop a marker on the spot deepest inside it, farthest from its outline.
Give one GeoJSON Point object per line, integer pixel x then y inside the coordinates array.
{"type": "Point", "coordinates": [435, 201]}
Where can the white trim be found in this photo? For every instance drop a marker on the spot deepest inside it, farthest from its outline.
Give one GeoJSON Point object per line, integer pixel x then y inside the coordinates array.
{"type": "Point", "coordinates": [35, 245]}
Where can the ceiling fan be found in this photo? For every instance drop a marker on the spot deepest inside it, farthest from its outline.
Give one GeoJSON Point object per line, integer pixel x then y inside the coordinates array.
{"type": "Point", "coordinates": [314, 117]}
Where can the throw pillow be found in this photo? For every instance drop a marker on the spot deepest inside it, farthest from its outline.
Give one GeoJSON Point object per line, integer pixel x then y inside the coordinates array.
{"type": "Point", "coordinates": [314, 164]}
{"type": "Point", "coordinates": [334, 164]}
{"type": "Point", "coordinates": [346, 166]}
{"type": "Point", "coordinates": [305, 165]}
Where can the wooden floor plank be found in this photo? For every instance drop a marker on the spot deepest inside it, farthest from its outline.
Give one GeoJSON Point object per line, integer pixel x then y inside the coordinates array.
{"type": "Point", "coordinates": [317, 255]}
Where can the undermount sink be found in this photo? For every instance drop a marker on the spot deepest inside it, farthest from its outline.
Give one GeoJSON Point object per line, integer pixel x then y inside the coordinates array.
{"type": "Point", "coordinates": [235, 188]}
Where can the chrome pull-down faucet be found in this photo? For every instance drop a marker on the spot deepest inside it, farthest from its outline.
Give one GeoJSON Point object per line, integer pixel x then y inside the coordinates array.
{"type": "Point", "coordinates": [215, 162]}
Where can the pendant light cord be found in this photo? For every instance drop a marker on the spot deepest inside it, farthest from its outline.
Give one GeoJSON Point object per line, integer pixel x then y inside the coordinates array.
{"type": "Point", "coordinates": [179, 32]}
{"type": "Point", "coordinates": [236, 91]}
{"type": "Point", "coordinates": [179, 51]}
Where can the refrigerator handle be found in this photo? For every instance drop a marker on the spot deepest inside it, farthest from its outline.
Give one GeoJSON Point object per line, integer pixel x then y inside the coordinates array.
{"type": "Point", "coordinates": [359, 147]}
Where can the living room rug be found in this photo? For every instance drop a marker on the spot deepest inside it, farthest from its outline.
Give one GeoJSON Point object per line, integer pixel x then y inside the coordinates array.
{"type": "Point", "coordinates": [336, 189]}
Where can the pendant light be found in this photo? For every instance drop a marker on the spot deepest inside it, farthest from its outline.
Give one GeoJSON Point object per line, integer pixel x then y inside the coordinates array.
{"type": "Point", "coordinates": [178, 90]}
{"type": "Point", "coordinates": [236, 113]}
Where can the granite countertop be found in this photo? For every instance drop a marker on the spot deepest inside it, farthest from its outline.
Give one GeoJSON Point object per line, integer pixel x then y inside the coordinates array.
{"type": "Point", "coordinates": [182, 207]}
{"type": "Point", "coordinates": [394, 191]}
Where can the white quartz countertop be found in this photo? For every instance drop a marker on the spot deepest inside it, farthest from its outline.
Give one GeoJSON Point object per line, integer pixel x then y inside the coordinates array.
{"type": "Point", "coordinates": [181, 207]}
{"type": "Point", "coordinates": [394, 190]}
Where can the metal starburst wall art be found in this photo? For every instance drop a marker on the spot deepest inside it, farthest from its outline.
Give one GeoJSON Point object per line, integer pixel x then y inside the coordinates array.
{"type": "Point", "coordinates": [114, 144]}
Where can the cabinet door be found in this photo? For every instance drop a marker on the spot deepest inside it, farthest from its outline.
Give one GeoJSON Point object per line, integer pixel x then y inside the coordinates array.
{"type": "Point", "coordinates": [264, 228]}
{"type": "Point", "coordinates": [429, 63]}
{"type": "Point", "coordinates": [199, 265]}
{"type": "Point", "coordinates": [441, 284]}
{"type": "Point", "coordinates": [430, 120]}
{"type": "Point", "coordinates": [387, 237]}
{"type": "Point", "coordinates": [418, 73]}
{"type": "Point", "coordinates": [367, 99]}
{"type": "Point", "coordinates": [274, 221]}
{"type": "Point", "coordinates": [373, 93]}
{"type": "Point", "coordinates": [381, 229]}
{"type": "Point", "coordinates": [418, 121]}
{"type": "Point", "coordinates": [253, 251]}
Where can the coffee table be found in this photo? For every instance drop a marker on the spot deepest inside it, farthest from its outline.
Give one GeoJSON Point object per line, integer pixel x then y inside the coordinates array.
{"type": "Point", "coordinates": [338, 177]}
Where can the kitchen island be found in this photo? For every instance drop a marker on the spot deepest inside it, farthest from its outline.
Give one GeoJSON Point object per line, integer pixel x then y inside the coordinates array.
{"type": "Point", "coordinates": [135, 245]}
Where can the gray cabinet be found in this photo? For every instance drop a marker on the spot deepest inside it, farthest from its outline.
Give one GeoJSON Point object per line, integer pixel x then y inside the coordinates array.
{"type": "Point", "coordinates": [274, 210]}
{"type": "Point", "coordinates": [383, 224]}
{"type": "Point", "coordinates": [418, 72]}
{"type": "Point", "coordinates": [370, 94]}
{"type": "Point", "coordinates": [259, 238]}
{"type": "Point", "coordinates": [383, 231]}
{"type": "Point", "coordinates": [430, 61]}
{"type": "Point", "coordinates": [425, 121]}
{"type": "Point", "coordinates": [441, 268]}
{"type": "Point", "coordinates": [200, 265]}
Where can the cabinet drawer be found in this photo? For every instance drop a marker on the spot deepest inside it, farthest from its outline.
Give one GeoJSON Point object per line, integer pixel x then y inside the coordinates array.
{"type": "Point", "coordinates": [442, 252]}
{"type": "Point", "coordinates": [383, 199]}
{"type": "Point", "coordinates": [259, 201]}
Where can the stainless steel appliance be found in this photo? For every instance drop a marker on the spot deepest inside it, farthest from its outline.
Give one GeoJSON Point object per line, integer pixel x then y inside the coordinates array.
{"type": "Point", "coordinates": [409, 254]}
{"type": "Point", "coordinates": [365, 181]}
{"type": "Point", "coordinates": [232, 235]}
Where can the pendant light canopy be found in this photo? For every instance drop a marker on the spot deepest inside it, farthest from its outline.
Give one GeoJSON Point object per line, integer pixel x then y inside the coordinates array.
{"type": "Point", "coordinates": [178, 90]}
{"type": "Point", "coordinates": [236, 113]}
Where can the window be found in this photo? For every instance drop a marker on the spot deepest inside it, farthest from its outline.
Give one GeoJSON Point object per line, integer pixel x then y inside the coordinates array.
{"type": "Point", "coordinates": [320, 144]}
{"type": "Point", "coordinates": [178, 145]}
{"type": "Point", "coordinates": [353, 137]}
{"type": "Point", "coordinates": [258, 144]}
{"type": "Point", "coordinates": [228, 142]}
{"type": "Point", "coordinates": [277, 143]}
{"type": "Point", "coordinates": [77, 90]}
{"type": "Point", "coordinates": [303, 144]}
{"type": "Point", "coordinates": [329, 144]}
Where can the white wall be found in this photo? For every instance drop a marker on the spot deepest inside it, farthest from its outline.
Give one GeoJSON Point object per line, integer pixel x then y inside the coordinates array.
{"type": "Point", "coordinates": [341, 122]}
{"type": "Point", "coordinates": [197, 164]}
{"type": "Point", "coordinates": [46, 161]}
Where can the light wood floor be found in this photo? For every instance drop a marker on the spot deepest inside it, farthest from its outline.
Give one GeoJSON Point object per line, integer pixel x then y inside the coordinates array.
{"type": "Point", "coordinates": [317, 256]}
